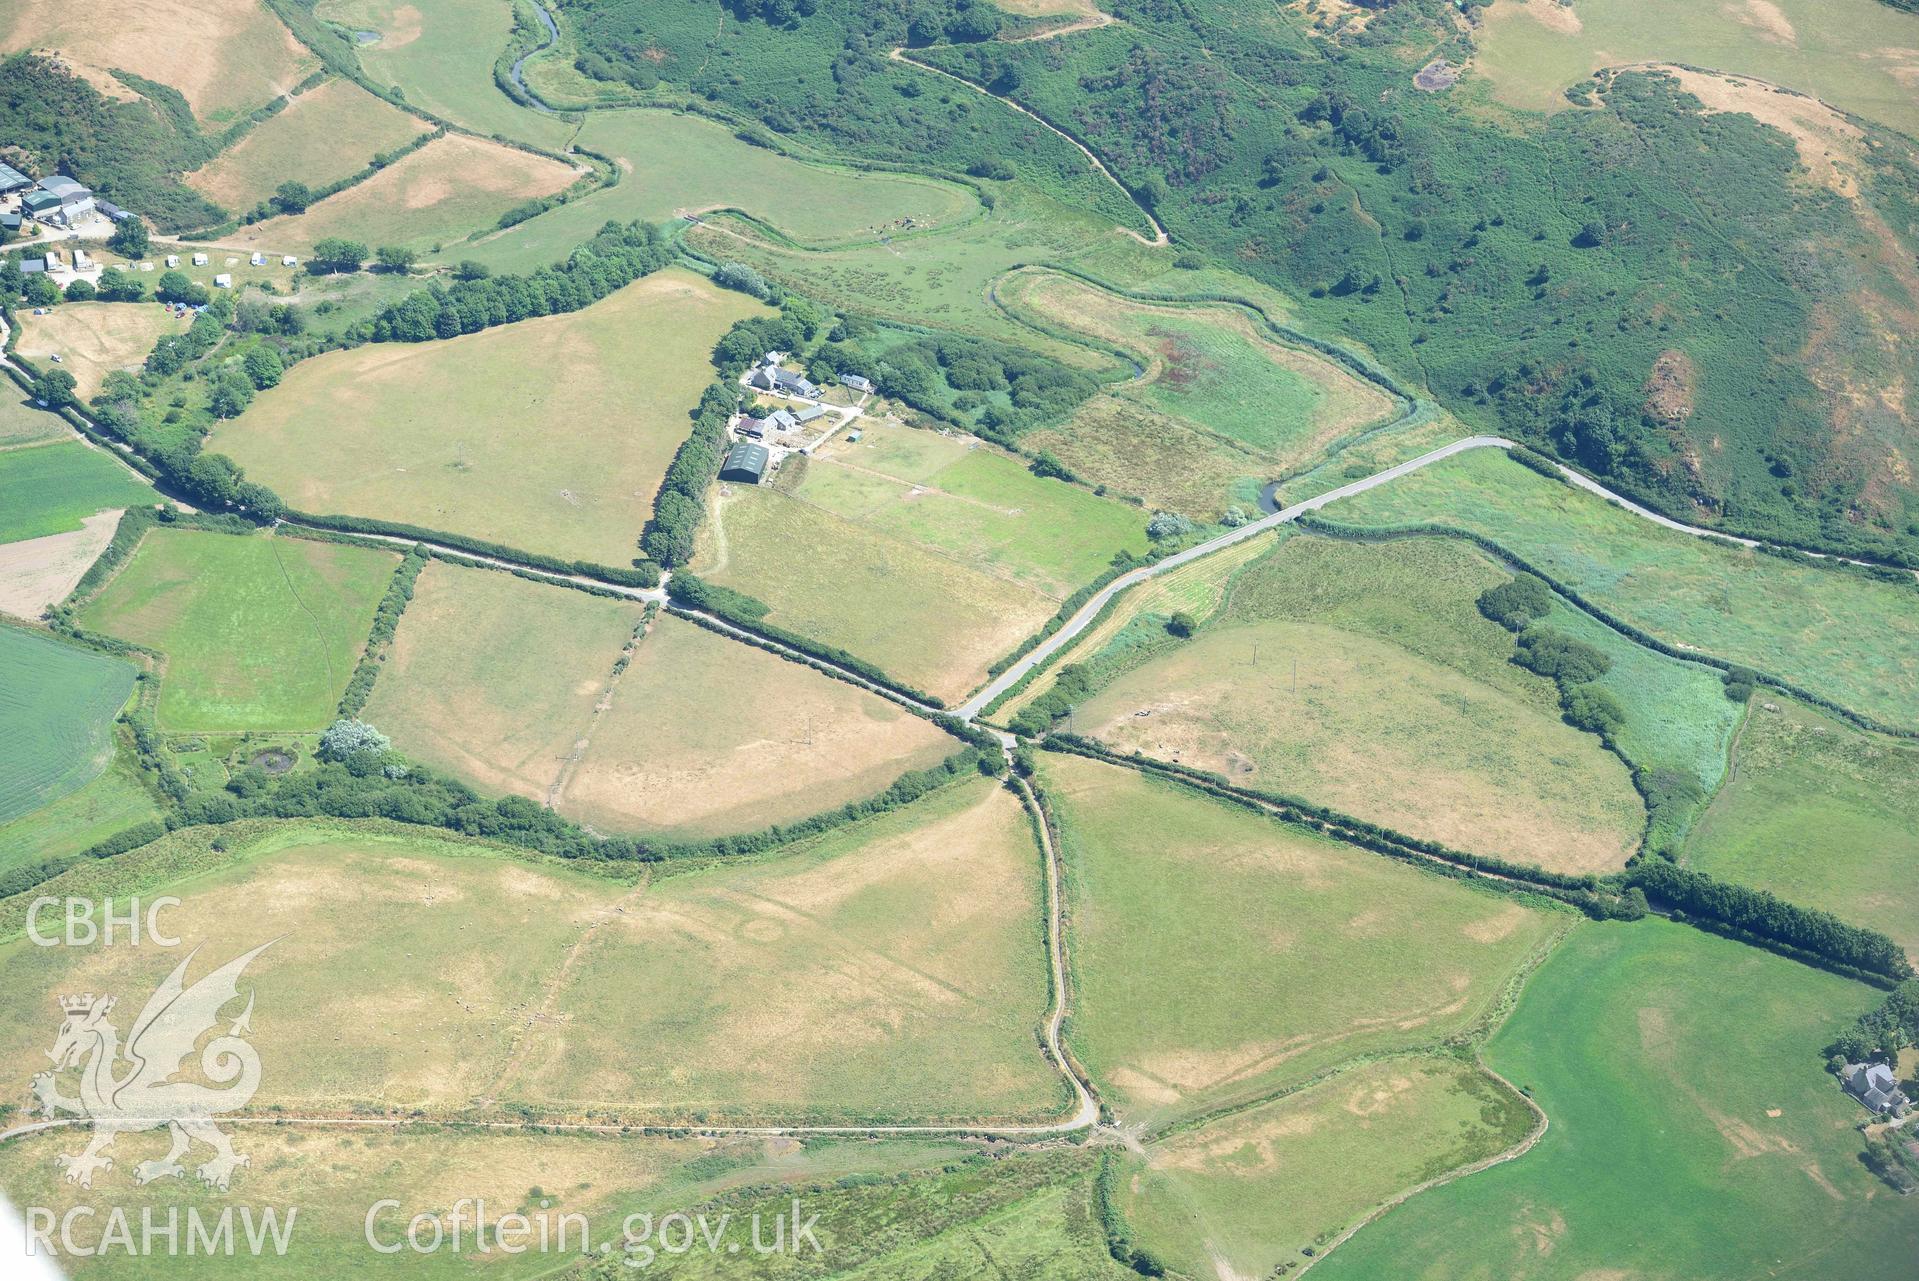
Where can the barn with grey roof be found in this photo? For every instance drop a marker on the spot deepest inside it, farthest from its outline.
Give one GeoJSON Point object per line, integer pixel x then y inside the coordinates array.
{"type": "Point", "coordinates": [745, 464]}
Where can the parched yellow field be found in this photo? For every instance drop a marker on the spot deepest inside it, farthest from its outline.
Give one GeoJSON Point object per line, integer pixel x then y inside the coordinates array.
{"type": "Point", "coordinates": [1391, 700]}
{"type": "Point", "coordinates": [892, 970]}
{"type": "Point", "coordinates": [703, 736]}
{"type": "Point", "coordinates": [1219, 956]}
{"type": "Point", "coordinates": [320, 137]}
{"type": "Point", "coordinates": [550, 435]}
{"type": "Point", "coordinates": [93, 339]}
{"type": "Point", "coordinates": [495, 679]}
{"type": "Point", "coordinates": [388, 980]}
{"type": "Point", "coordinates": [451, 188]}
{"type": "Point", "coordinates": [225, 57]}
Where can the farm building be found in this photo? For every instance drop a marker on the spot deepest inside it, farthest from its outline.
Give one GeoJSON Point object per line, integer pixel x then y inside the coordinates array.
{"type": "Point", "coordinates": [10, 222]}
{"type": "Point", "coordinates": [112, 210]}
{"type": "Point", "coordinates": [773, 378]}
{"type": "Point", "coordinates": [42, 206]}
{"type": "Point", "coordinates": [69, 200]}
{"type": "Point", "coordinates": [751, 428]}
{"type": "Point", "coordinates": [1874, 1085]}
{"type": "Point", "coordinates": [780, 420]}
{"type": "Point", "coordinates": [856, 382]}
{"type": "Point", "coordinates": [12, 179]}
{"type": "Point", "coordinates": [745, 463]}
{"type": "Point", "coordinates": [810, 413]}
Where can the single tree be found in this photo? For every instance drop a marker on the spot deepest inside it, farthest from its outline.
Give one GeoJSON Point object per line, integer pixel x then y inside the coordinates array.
{"type": "Point", "coordinates": [130, 239]}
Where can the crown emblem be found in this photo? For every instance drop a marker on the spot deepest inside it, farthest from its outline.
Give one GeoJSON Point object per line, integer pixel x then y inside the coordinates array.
{"type": "Point", "coordinates": [76, 1005]}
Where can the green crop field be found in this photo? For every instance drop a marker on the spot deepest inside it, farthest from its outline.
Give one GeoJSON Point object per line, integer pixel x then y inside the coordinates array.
{"type": "Point", "coordinates": [361, 921]}
{"type": "Point", "coordinates": [705, 736]}
{"type": "Point", "coordinates": [23, 423]}
{"type": "Point", "coordinates": [451, 188]}
{"type": "Point", "coordinates": [1694, 1131]}
{"type": "Point", "coordinates": [551, 435]}
{"type": "Point", "coordinates": [60, 830]}
{"type": "Point", "coordinates": [1840, 635]}
{"type": "Point", "coordinates": [1821, 814]}
{"type": "Point", "coordinates": [259, 632]}
{"type": "Point", "coordinates": [322, 136]}
{"type": "Point", "coordinates": [1859, 55]}
{"type": "Point", "coordinates": [1260, 1188]}
{"type": "Point", "coordinates": [52, 488]}
{"type": "Point", "coordinates": [1389, 698]}
{"type": "Point", "coordinates": [894, 969]}
{"type": "Point", "coordinates": [673, 163]}
{"type": "Point", "coordinates": [57, 703]}
{"type": "Point", "coordinates": [1219, 955]}
{"type": "Point", "coordinates": [441, 54]}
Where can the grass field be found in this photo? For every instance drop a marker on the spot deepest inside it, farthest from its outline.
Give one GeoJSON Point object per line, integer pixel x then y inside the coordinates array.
{"type": "Point", "coordinates": [1840, 635]}
{"type": "Point", "coordinates": [451, 188]}
{"type": "Point", "coordinates": [550, 435]}
{"type": "Point", "coordinates": [928, 555]}
{"type": "Point", "coordinates": [23, 423]}
{"type": "Point", "coordinates": [1219, 956]}
{"type": "Point", "coordinates": [259, 632]}
{"type": "Point", "coordinates": [225, 56]}
{"type": "Point", "coordinates": [674, 163]}
{"type": "Point", "coordinates": [1261, 409]}
{"type": "Point", "coordinates": [1859, 55]}
{"type": "Point", "coordinates": [62, 829]}
{"type": "Point", "coordinates": [706, 736]}
{"type": "Point", "coordinates": [95, 338]}
{"type": "Point", "coordinates": [388, 980]}
{"type": "Point", "coordinates": [1694, 1133]}
{"type": "Point", "coordinates": [1821, 814]}
{"type": "Point", "coordinates": [1394, 701]}
{"type": "Point", "coordinates": [54, 488]}
{"type": "Point", "coordinates": [441, 53]}
{"type": "Point", "coordinates": [320, 137]}
{"type": "Point", "coordinates": [495, 679]}
{"type": "Point", "coordinates": [892, 969]}
{"type": "Point", "coordinates": [57, 703]}
{"type": "Point", "coordinates": [1257, 1189]}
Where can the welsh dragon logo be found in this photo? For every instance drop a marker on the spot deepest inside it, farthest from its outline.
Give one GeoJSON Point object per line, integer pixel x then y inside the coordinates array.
{"type": "Point", "coordinates": [131, 1088]}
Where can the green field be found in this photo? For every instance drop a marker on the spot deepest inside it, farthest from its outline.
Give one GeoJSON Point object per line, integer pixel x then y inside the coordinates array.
{"type": "Point", "coordinates": [57, 703]}
{"type": "Point", "coordinates": [1821, 814]}
{"type": "Point", "coordinates": [441, 54]}
{"type": "Point", "coordinates": [324, 135]}
{"type": "Point", "coordinates": [58, 831]}
{"type": "Point", "coordinates": [259, 632]}
{"type": "Point", "coordinates": [890, 970]}
{"type": "Point", "coordinates": [1840, 635]}
{"type": "Point", "coordinates": [1859, 55]}
{"type": "Point", "coordinates": [1219, 956]}
{"type": "Point", "coordinates": [1259, 1188]}
{"type": "Point", "coordinates": [1694, 1131]}
{"type": "Point", "coordinates": [50, 489]}
{"type": "Point", "coordinates": [674, 163]}
{"type": "Point", "coordinates": [1391, 699]}
{"type": "Point", "coordinates": [23, 423]}
{"type": "Point", "coordinates": [550, 435]}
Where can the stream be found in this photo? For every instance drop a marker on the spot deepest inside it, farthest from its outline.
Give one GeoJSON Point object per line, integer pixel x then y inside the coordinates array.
{"type": "Point", "coordinates": [552, 38]}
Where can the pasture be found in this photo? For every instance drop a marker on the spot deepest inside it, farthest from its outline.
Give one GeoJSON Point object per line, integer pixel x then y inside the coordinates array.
{"type": "Point", "coordinates": [93, 339]}
{"type": "Point", "coordinates": [441, 54]}
{"type": "Point", "coordinates": [550, 435]}
{"type": "Point", "coordinates": [1694, 1130]}
{"type": "Point", "coordinates": [55, 488]}
{"type": "Point", "coordinates": [673, 163]}
{"type": "Point", "coordinates": [58, 703]}
{"type": "Point", "coordinates": [387, 982]}
{"type": "Point", "coordinates": [495, 679]}
{"type": "Point", "coordinates": [24, 423]}
{"type": "Point", "coordinates": [1821, 814]}
{"type": "Point", "coordinates": [1843, 636]}
{"type": "Point", "coordinates": [1391, 699]}
{"type": "Point", "coordinates": [1258, 1189]}
{"type": "Point", "coordinates": [918, 616]}
{"type": "Point", "coordinates": [1859, 55]}
{"type": "Point", "coordinates": [453, 187]}
{"type": "Point", "coordinates": [704, 736]}
{"type": "Point", "coordinates": [260, 632]}
{"type": "Point", "coordinates": [893, 970]}
{"type": "Point", "coordinates": [322, 136]}
{"type": "Point", "coordinates": [1219, 955]}
{"type": "Point", "coordinates": [60, 830]}
{"type": "Point", "coordinates": [226, 57]}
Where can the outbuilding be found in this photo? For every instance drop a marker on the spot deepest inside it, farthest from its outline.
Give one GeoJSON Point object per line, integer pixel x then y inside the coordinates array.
{"type": "Point", "coordinates": [745, 464]}
{"type": "Point", "coordinates": [12, 179]}
{"type": "Point", "coordinates": [856, 382]}
{"type": "Point", "coordinates": [73, 201]}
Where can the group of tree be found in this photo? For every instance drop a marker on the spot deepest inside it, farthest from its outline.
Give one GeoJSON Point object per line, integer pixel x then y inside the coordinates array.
{"type": "Point", "coordinates": [1570, 663]}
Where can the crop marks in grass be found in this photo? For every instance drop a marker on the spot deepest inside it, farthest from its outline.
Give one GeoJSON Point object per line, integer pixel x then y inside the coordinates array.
{"type": "Point", "coordinates": [92, 339]}
{"type": "Point", "coordinates": [260, 632]}
{"type": "Point", "coordinates": [1219, 955]}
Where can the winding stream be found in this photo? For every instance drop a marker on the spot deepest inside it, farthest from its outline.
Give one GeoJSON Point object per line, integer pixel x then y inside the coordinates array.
{"type": "Point", "coordinates": [519, 63]}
